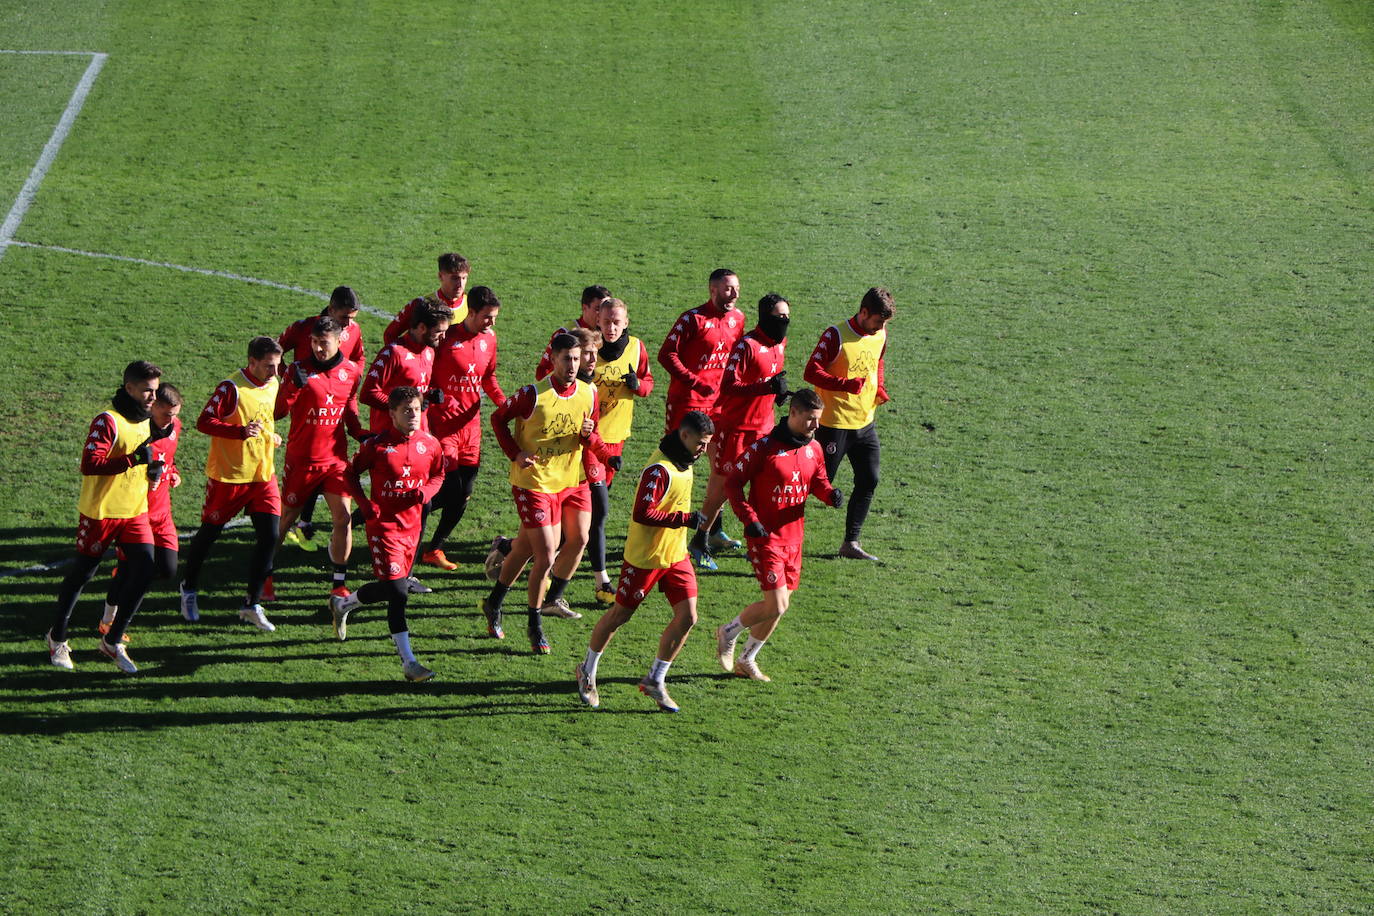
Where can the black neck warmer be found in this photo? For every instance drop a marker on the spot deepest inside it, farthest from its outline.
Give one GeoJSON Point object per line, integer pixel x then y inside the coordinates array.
{"type": "Point", "coordinates": [612, 350]}
{"type": "Point", "coordinates": [672, 448]}
{"type": "Point", "coordinates": [327, 364]}
{"type": "Point", "coordinates": [585, 375]}
{"type": "Point", "coordinates": [128, 408]}
{"type": "Point", "coordinates": [783, 433]}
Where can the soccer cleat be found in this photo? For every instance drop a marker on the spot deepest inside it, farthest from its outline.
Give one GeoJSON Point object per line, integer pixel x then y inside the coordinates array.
{"type": "Point", "coordinates": [725, 649]}
{"type": "Point", "coordinates": [414, 671]}
{"type": "Point", "coordinates": [436, 558]}
{"type": "Point", "coordinates": [269, 590]}
{"type": "Point", "coordinates": [493, 615]}
{"type": "Point", "coordinates": [702, 559]}
{"type": "Point", "coordinates": [720, 542]}
{"type": "Point", "coordinates": [120, 655]}
{"type": "Point", "coordinates": [59, 653]}
{"type": "Point", "coordinates": [415, 587]}
{"type": "Point", "coordinates": [190, 603]}
{"type": "Point", "coordinates": [339, 591]}
{"type": "Point", "coordinates": [850, 550]}
{"type": "Point", "coordinates": [659, 694]}
{"type": "Point", "coordinates": [339, 606]}
{"type": "Point", "coordinates": [558, 607]}
{"type": "Point", "coordinates": [586, 687]}
{"type": "Point", "coordinates": [605, 595]}
{"type": "Point", "coordinates": [492, 565]}
{"type": "Point", "coordinates": [301, 539]}
{"type": "Point", "coordinates": [539, 643]}
{"type": "Point", "coordinates": [254, 615]}
{"type": "Point", "coordinates": [750, 669]}
{"type": "Point", "coordinates": [104, 628]}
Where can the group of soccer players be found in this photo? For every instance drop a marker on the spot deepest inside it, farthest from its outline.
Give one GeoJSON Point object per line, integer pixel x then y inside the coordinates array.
{"type": "Point", "coordinates": [563, 434]}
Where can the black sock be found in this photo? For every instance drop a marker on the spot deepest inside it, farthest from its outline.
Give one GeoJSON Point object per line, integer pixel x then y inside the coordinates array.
{"type": "Point", "coordinates": [340, 573]}
{"type": "Point", "coordinates": [556, 586]}
{"type": "Point", "coordinates": [497, 597]}
{"type": "Point", "coordinates": [534, 622]}
{"type": "Point", "coordinates": [699, 540]}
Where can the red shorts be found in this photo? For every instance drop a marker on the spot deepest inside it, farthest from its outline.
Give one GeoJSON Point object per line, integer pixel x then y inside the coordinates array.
{"type": "Point", "coordinates": [726, 449]}
{"type": "Point", "coordinates": [223, 500]}
{"type": "Point", "coordinates": [393, 550]}
{"type": "Point", "coordinates": [463, 447]}
{"type": "Point", "coordinates": [95, 535]}
{"type": "Point", "coordinates": [674, 413]}
{"type": "Point", "coordinates": [597, 470]}
{"type": "Point", "coordinates": [678, 583]}
{"type": "Point", "coordinates": [304, 480]}
{"type": "Point", "coordinates": [164, 529]}
{"type": "Point", "coordinates": [540, 510]}
{"type": "Point", "coordinates": [776, 565]}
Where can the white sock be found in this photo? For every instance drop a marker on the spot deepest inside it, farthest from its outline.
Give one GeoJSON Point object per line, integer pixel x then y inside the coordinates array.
{"type": "Point", "coordinates": [603, 581]}
{"type": "Point", "coordinates": [732, 629]}
{"type": "Point", "coordinates": [658, 671]}
{"type": "Point", "coordinates": [751, 649]}
{"type": "Point", "coordinates": [109, 615]}
{"type": "Point", "coordinates": [402, 641]}
{"type": "Point", "coordinates": [589, 663]}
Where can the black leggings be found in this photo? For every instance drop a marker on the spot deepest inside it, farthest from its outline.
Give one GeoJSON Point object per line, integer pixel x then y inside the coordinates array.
{"type": "Point", "coordinates": [164, 567]}
{"type": "Point", "coordinates": [395, 592]}
{"type": "Point", "coordinates": [452, 502]}
{"type": "Point", "coordinates": [596, 538]}
{"type": "Point", "coordinates": [861, 445]}
{"type": "Point", "coordinates": [265, 528]}
{"type": "Point", "coordinates": [138, 562]}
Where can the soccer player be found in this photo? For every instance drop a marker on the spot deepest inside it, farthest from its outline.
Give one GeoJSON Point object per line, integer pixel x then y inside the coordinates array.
{"type": "Point", "coordinates": [695, 353]}
{"type": "Point", "coordinates": [754, 380]}
{"type": "Point", "coordinates": [781, 470]}
{"type": "Point", "coordinates": [406, 465]}
{"type": "Point", "coordinates": [116, 464]}
{"type": "Point", "coordinates": [555, 419]}
{"type": "Point", "coordinates": [656, 554]}
{"type": "Point", "coordinates": [241, 476]}
{"type": "Point", "coordinates": [164, 436]}
{"type": "Point", "coordinates": [590, 320]}
{"type": "Point", "coordinates": [453, 281]}
{"type": "Point", "coordinates": [847, 368]}
{"type": "Point", "coordinates": [464, 368]}
{"type": "Point", "coordinates": [621, 375]}
{"type": "Point", "coordinates": [320, 394]}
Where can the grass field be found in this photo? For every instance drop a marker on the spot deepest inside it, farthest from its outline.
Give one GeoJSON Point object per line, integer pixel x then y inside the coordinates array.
{"type": "Point", "coordinates": [1117, 659]}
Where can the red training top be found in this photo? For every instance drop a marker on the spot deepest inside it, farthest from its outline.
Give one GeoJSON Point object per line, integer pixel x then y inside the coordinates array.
{"type": "Point", "coordinates": [464, 367]}
{"type": "Point", "coordinates": [782, 474]}
{"type": "Point", "coordinates": [695, 352]}
{"type": "Point", "coordinates": [746, 399]}
{"type": "Point", "coordinates": [407, 472]}
{"type": "Point", "coordinates": [321, 412]}
{"type": "Point", "coordinates": [401, 362]}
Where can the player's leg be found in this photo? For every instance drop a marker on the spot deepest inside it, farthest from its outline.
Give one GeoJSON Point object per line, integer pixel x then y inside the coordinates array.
{"type": "Point", "coordinates": [452, 501]}
{"type": "Point", "coordinates": [542, 543]}
{"type": "Point", "coordinates": [340, 541]}
{"type": "Point", "coordinates": [112, 593]}
{"type": "Point", "coordinates": [596, 542]}
{"type": "Point", "coordinates": [266, 531]}
{"type": "Point", "coordinates": [415, 585]}
{"type": "Point", "coordinates": [864, 460]}
{"type": "Point", "coordinates": [196, 552]}
{"type": "Point", "coordinates": [137, 573]}
{"type": "Point", "coordinates": [517, 554]}
{"type": "Point", "coordinates": [635, 583]}
{"type": "Point", "coordinates": [700, 548]}
{"type": "Point", "coordinates": [81, 571]}
{"type": "Point", "coordinates": [576, 514]}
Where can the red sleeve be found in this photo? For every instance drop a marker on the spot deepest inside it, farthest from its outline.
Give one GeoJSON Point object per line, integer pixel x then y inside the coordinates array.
{"type": "Point", "coordinates": [669, 354]}
{"type": "Point", "coordinates": [489, 383]}
{"type": "Point", "coordinates": [374, 391]}
{"type": "Point", "coordinates": [817, 367]}
{"type": "Point", "coordinates": [289, 341]}
{"type": "Point", "coordinates": [741, 358]}
{"type": "Point", "coordinates": [745, 469]}
{"type": "Point", "coordinates": [546, 361]}
{"type": "Point", "coordinates": [520, 405]}
{"type": "Point", "coordinates": [436, 474]}
{"type": "Point", "coordinates": [653, 483]}
{"type": "Point", "coordinates": [287, 392]}
{"type": "Point", "coordinates": [646, 376]}
{"type": "Point", "coordinates": [361, 463]}
{"type": "Point", "coordinates": [820, 484]}
{"type": "Point", "coordinates": [95, 460]}
{"type": "Point", "coordinates": [172, 449]}
{"type": "Point", "coordinates": [400, 324]}
{"type": "Point", "coordinates": [213, 420]}
{"type": "Point", "coordinates": [883, 397]}
{"type": "Point", "coordinates": [353, 423]}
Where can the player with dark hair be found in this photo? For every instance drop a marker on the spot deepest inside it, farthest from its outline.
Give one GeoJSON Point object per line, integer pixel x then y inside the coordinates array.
{"type": "Point", "coordinates": [695, 353]}
{"type": "Point", "coordinates": [847, 368]}
{"type": "Point", "coordinates": [320, 394]}
{"type": "Point", "coordinates": [406, 465]}
{"type": "Point", "coordinates": [590, 320]}
{"type": "Point", "coordinates": [754, 381]}
{"type": "Point", "coordinates": [656, 554]}
{"type": "Point", "coordinates": [555, 419]}
{"type": "Point", "coordinates": [464, 369]}
{"type": "Point", "coordinates": [453, 281]}
{"type": "Point", "coordinates": [116, 465]}
{"type": "Point", "coordinates": [241, 476]}
{"type": "Point", "coordinates": [781, 470]}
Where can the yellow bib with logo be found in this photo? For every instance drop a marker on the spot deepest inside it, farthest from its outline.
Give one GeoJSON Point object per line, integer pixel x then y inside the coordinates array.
{"type": "Point", "coordinates": [858, 358]}
{"type": "Point", "coordinates": [553, 432]}
{"type": "Point", "coordinates": [651, 547]}
{"type": "Point", "coordinates": [123, 495]}
{"type": "Point", "coordinates": [617, 401]}
{"type": "Point", "coordinates": [246, 460]}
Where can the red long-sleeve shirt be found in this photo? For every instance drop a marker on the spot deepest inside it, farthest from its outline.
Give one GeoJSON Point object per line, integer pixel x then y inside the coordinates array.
{"type": "Point", "coordinates": [746, 399]}
{"type": "Point", "coordinates": [401, 323]}
{"type": "Point", "coordinates": [407, 472]}
{"type": "Point", "coordinates": [164, 450]}
{"type": "Point", "coordinates": [404, 361]}
{"type": "Point", "coordinates": [695, 352]}
{"type": "Point", "coordinates": [296, 340]}
{"type": "Point", "coordinates": [827, 348]}
{"type": "Point", "coordinates": [323, 413]}
{"type": "Point", "coordinates": [464, 368]}
{"type": "Point", "coordinates": [780, 476]}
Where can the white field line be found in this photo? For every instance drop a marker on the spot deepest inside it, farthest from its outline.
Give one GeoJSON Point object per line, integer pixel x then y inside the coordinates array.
{"type": "Point", "coordinates": [45, 159]}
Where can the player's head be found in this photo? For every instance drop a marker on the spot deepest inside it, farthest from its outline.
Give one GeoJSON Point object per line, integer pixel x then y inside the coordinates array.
{"type": "Point", "coordinates": [875, 310]}
{"type": "Point", "coordinates": [167, 405]}
{"type": "Point", "coordinates": [264, 357]}
{"type": "Point", "coordinates": [612, 318]}
{"type": "Point", "coordinates": [483, 307]}
{"type": "Point", "coordinates": [592, 297]}
{"type": "Point", "coordinates": [141, 379]}
{"type": "Point", "coordinates": [804, 413]}
{"type": "Point", "coordinates": [324, 338]}
{"type": "Point", "coordinates": [343, 305]}
{"type": "Point", "coordinates": [588, 342]}
{"type": "Point", "coordinates": [774, 315]}
{"type": "Point", "coordinates": [695, 432]}
{"type": "Point", "coordinates": [453, 274]}
{"type": "Point", "coordinates": [724, 287]}
{"type": "Point", "coordinates": [430, 322]}
{"type": "Point", "coordinates": [404, 405]}
{"type": "Point", "coordinates": [565, 352]}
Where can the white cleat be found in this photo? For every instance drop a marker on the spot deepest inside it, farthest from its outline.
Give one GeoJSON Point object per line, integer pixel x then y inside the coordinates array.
{"type": "Point", "coordinates": [586, 687]}
{"type": "Point", "coordinates": [257, 618]}
{"type": "Point", "coordinates": [338, 609]}
{"type": "Point", "coordinates": [414, 671]}
{"type": "Point", "coordinates": [725, 649]}
{"type": "Point", "coordinates": [120, 655]}
{"type": "Point", "coordinates": [491, 567]}
{"type": "Point", "coordinates": [659, 694]}
{"type": "Point", "coordinates": [59, 653]}
{"type": "Point", "coordinates": [850, 550]}
{"type": "Point", "coordinates": [748, 668]}
{"type": "Point", "coordinates": [558, 607]}
{"type": "Point", "coordinates": [190, 603]}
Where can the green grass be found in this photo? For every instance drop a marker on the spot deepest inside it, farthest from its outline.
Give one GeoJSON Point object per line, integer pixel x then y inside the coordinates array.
{"type": "Point", "coordinates": [1117, 659]}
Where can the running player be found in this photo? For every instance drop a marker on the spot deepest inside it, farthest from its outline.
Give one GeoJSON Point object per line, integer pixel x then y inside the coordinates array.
{"type": "Point", "coordinates": [847, 368]}
{"type": "Point", "coordinates": [320, 394]}
{"type": "Point", "coordinates": [116, 466]}
{"type": "Point", "coordinates": [555, 419]}
{"type": "Point", "coordinates": [241, 476]}
{"type": "Point", "coordinates": [780, 469]}
{"type": "Point", "coordinates": [695, 353]}
{"type": "Point", "coordinates": [754, 380]}
{"type": "Point", "coordinates": [656, 553]}
{"type": "Point", "coordinates": [464, 368]}
{"type": "Point", "coordinates": [407, 469]}
{"type": "Point", "coordinates": [408, 360]}
{"type": "Point", "coordinates": [590, 320]}
{"type": "Point", "coordinates": [453, 281]}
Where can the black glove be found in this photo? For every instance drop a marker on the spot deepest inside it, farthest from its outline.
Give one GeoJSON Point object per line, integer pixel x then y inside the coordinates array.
{"type": "Point", "coordinates": [298, 375]}
{"type": "Point", "coordinates": [155, 470]}
{"type": "Point", "coordinates": [780, 382]}
{"type": "Point", "coordinates": [613, 462]}
{"type": "Point", "coordinates": [433, 396]}
{"type": "Point", "coordinates": [837, 500]}
{"type": "Point", "coordinates": [143, 454]}
{"type": "Point", "coordinates": [695, 520]}
{"type": "Point", "coordinates": [755, 530]}
{"type": "Point", "coordinates": [631, 381]}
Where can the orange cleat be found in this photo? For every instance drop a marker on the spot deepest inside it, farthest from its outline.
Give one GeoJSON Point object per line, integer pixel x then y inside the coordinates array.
{"type": "Point", "coordinates": [436, 558]}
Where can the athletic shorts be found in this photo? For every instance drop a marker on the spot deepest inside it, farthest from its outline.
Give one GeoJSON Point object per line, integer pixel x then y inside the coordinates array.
{"type": "Point", "coordinates": [463, 447]}
{"type": "Point", "coordinates": [540, 510]}
{"type": "Point", "coordinates": [164, 529]}
{"type": "Point", "coordinates": [304, 480]}
{"type": "Point", "coordinates": [776, 565]}
{"type": "Point", "coordinates": [598, 471]}
{"type": "Point", "coordinates": [393, 550]}
{"type": "Point", "coordinates": [95, 535]}
{"type": "Point", "coordinates": [674, 413]}
{"type": "Point", "coordinates": [223, 500]}
{"type": "Point", "coordinates": [726, 449]}
{"type": "Point", "coordinates": [677, 582]}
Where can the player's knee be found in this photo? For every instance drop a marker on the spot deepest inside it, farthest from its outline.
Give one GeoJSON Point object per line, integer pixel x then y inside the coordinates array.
{"type": "Point", "coordinates": [687, 618]}
{"type": "Point", "coordinates": [165, 564]}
